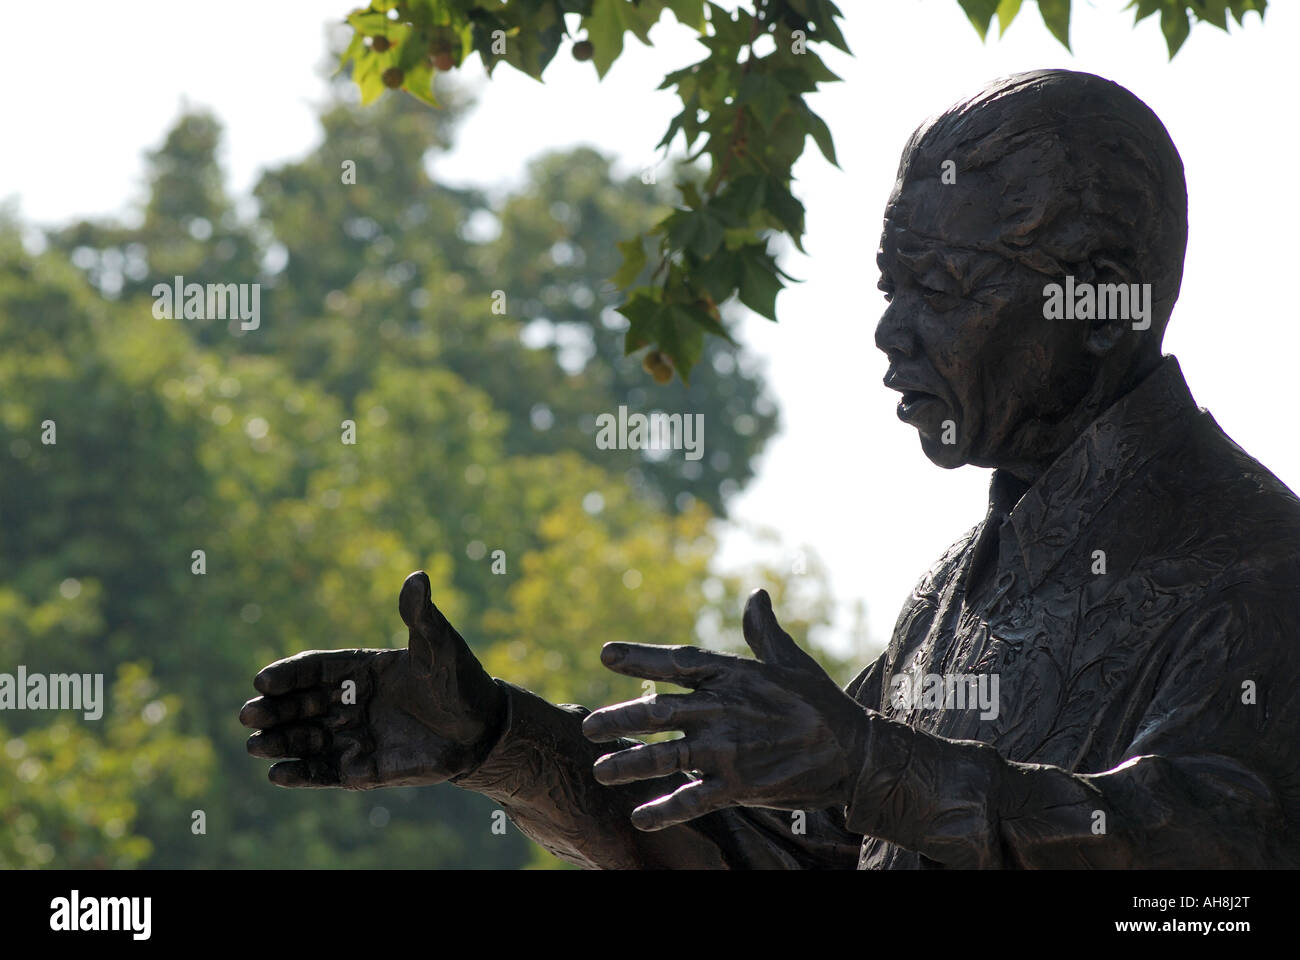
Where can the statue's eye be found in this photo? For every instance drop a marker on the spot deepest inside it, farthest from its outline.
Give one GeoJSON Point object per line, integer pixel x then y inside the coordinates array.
{"type": "Point", "coordinates": [940, 301]}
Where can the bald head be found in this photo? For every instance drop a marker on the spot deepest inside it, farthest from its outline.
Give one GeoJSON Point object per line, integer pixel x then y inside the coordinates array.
{"type": "Point", "coordinates": [1078, 176]}
{"type": "Point", "coordinates": [1039, 177]}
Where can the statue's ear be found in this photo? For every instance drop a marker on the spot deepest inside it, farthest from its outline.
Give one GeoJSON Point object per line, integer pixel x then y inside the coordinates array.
{"type": "Point", "coordinates": [1104, 335]}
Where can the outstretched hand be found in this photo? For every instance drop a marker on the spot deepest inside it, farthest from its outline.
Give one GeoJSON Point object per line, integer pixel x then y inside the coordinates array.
{"type": "Point", "coordinates": [774, 732]}
{"type": "Point", "coordinates": [361, 719]}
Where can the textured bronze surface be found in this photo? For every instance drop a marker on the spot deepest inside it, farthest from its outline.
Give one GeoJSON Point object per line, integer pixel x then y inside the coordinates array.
{"type": "Point", "coordinates": [1103, 672]}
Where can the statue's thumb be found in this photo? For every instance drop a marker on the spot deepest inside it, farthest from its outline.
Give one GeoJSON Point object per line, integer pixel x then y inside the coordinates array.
{"type": "Point", "coordinates": [423, 620]}
{"type": "Point", "coordinates": [765, 637]}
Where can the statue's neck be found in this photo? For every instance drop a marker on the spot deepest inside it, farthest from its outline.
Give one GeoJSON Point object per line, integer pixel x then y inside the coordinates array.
{"type": "Point", "coordinates": [1109, 387]}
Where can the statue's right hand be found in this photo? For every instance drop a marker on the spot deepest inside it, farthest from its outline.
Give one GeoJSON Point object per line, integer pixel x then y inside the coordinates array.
{"type": "Point", "coordinates": [361, 719]}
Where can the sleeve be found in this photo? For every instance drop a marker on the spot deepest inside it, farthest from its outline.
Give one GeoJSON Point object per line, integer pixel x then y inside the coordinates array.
{"type": "Point", "coordinates": [1210, 777]}
{"type": "Point", "coordinates": [540, 773]}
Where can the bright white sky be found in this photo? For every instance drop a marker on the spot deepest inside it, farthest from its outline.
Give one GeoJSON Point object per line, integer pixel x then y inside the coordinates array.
{"type": "Point", "coordinates": [87, 95]}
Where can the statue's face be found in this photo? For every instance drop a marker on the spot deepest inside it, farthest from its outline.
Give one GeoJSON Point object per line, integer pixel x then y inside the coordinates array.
{"type": "Point", "coordinates": [982, 373]}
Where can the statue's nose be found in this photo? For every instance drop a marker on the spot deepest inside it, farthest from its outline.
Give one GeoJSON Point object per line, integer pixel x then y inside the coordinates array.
{"type": "Point", "coordinates": [894, 336]}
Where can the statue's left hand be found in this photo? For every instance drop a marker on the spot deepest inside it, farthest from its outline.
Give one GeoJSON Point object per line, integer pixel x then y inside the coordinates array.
{"type": "Point", "coordinates": [774, 732]}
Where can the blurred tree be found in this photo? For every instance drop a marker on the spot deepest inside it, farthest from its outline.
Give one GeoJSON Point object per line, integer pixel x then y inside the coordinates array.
{"type": "Point", "coordinates": [470, 453]}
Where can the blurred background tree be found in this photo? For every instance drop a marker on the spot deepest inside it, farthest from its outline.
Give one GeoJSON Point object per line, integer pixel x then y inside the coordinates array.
{"type": "Point", "coordinates": [474, 459]}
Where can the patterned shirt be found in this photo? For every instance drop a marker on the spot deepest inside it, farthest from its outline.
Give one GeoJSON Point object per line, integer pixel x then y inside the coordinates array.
{"type": "Point", "coordinates": [1104, 672]}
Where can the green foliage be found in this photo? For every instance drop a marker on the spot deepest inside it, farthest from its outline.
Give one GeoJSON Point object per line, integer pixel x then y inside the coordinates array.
{"type": "Point", "coordinates": [71, 796]}
{"type": "Point", "coordinates": [1176, 16]}
{"type": "Point", "coordinates": [747, 112]}
{"type": "Point", "coordinates": [472, 436]}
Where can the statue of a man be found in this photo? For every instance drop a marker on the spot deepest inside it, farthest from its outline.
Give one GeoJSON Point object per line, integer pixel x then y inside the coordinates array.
{"type": "Point", "coordinates": [1131, 600]}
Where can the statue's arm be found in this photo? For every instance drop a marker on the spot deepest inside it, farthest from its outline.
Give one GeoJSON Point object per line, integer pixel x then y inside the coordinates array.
{"type": "Point", "coordinates": [540, 772]}
{"type": "Point", "coordinates": [1205, 782]}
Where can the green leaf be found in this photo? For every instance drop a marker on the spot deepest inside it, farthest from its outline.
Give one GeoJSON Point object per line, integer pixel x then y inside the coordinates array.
{"type": "Point", "coordinates": [700, 314]}
{"type": "Point", "coordinates": [370, 22]}
{"type": "Point", "coordinates": [690, 194]}
{"type": "Point", "coordinates": [610, 19]}
{"type": "Point", "coordinates": [370, 78]}
{"type": "Point", "coordinates": [808, 65]}
{"type": "Point", "coordinates": [1213, 11]}
{"type": "Point", "coordinates": [605, 31]}
{"type": "Point", "coordinates": [419, 83]}
{"type": "Point", "coordinates": [787, 209]}
{"type": "Point", "coordinates": [633, 262]}
{"type": "Point", "coordinates": [765, 97]}
{"type": "Point", "coordinates": [737, 238]}
{"type": "Point", "coordinates": [741, 197]}
{"type": "Point", "coordinates": [354, 50]}
{"type": "Point", "coordinates": [979, 13]}
{"type": "Point", "coordinates": [675, 329]}
{"type": "Point", "coordinates": [644, 312]}
{"type": "Point", "coordinates": [719, 276]}
{"type": "Point", "coordinates": [1007, 10]}
{"type": "Point", "coordinates": [1241, 7]}
{"type": "Point", "coordinates": [682, 339]}
{"type": "Point", "coordinates": [824, 16]}
{"type": "Point", "coordinates": [1056, 14]}
{"type": "Point", "coordinates": [696, 231]}
{"type": "Point", "coordinates": [1175, 26]}
{"type": "Point", "coordinates": [785, 142]}
{"type": "Point", "coordinates": [688, 12]}
{"type": "Point", "coordinates": [1143, 8]}
{"type": "Point", "coordinates": [411, 49]}
{"type": "Point", "coordinates": [821, 135]}
{"type": "Point", "coordinates": [533, 35]}
{"type": "Point", "coordinates": [726, 29]}
{"type": "Point", "coordinates": [759, 284]}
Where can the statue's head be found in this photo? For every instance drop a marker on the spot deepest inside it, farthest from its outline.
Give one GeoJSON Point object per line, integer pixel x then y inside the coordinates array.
{"type": "Point", "coordinates": [1041, 177]}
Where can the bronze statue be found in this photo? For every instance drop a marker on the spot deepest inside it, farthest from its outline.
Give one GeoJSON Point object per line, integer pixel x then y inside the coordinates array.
{"type": "Point", "coordinates": [1104, 672]}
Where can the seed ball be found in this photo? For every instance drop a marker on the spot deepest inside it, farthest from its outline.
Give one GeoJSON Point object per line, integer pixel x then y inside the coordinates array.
{"type": "Point", "coordinates": [583, 50]}
{"type": "Point", "coordinates": [658, 366]}
{"type": "Point", "coordinates": [380, 44]}
{"type": "Point", "coordinates": [444, 61]}
{"type": "Point", "coordinates": [393, 77]}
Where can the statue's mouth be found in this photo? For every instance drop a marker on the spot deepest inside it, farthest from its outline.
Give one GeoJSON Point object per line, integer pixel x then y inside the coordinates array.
{"type": "Point", "coordinates": [914, 399]}
{"type": "Point", "coordinates": [912, 403]}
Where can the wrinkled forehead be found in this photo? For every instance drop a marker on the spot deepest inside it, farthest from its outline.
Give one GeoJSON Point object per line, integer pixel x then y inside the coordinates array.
{"type": "Point", "coordinates": [929, 226]}
{"type": "Point", "coordinates": [939, 197]}
{"type": "Point", "coordinates": [958, 199]}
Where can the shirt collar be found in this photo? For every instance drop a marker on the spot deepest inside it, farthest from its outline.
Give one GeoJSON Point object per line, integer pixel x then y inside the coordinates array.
{"type": "Point", "coordinates": [1064, 501]}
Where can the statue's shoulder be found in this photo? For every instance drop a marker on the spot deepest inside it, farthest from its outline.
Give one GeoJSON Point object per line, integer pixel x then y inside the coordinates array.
{"type": "Point", "coordinates": [933, 580]}
{"type": "Point", "coordinates": [1211, 502]}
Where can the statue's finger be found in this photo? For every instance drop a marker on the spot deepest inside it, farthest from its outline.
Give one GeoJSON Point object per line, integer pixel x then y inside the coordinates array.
{"type": "Point", "coordinates": [430, 634]}
{"type": "Point", "coordinates": [646, 762]}
{"type": "Point", "coordinates": [289, 740]}
{"type": "Point", "coordinates": [653, 714]}
{"type": "Point", "coordinates": [695, 799]}
{"type": "Point", "coordinates": [265, 712]}
{"type": "Point", "coordinates": [312, 772]}
{"type": "Point", "coordinates": [683, 665]}
{"type": "Point", "coordinates": [309, 669]}
{"type": "Point", "coordinates": [766, 638]}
